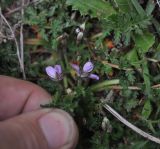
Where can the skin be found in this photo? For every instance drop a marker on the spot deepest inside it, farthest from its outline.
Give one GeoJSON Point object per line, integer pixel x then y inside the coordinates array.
{"type": "Point", "coordinates": [21, 117]}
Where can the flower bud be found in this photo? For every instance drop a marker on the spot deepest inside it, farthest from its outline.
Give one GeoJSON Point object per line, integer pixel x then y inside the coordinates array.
{"type": "Point", "coordinates": [77, 30]}
{"type": "Point", "coordinates": [80, 36]}
{"type": "Point", "coordinates": [94, 76]}
{"type": "Point", "coordinates": [83, 26]}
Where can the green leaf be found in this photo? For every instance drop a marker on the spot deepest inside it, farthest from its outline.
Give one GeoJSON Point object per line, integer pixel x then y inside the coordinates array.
{"type": "Point", "coordinates": [139, 145]}
{"type": "Point", "coordinates": [124, 5]}
{"type": "Point", "coordinates": [144, 42]}
{"type": "Point", "coordinates": [156, 25]}
{"type": "Point", "coordinates": [95, 8]}
{"type": "Point", "coordinates": [150, 7]}
{"type": "Point", "coordinates": [130, 104]}
{"type": "Point", "coordinates": [157, 53]}
{"type": "Point", "coordinates": [146, 77]}
{"type": "Point", "coordinates": [132, 57]}
{"type": "Point", "coordinates": [147, 109]}
{"type": "Point", "coordinates": [150, 126]}
{"type": "Point", "coordinates": [139, 8]}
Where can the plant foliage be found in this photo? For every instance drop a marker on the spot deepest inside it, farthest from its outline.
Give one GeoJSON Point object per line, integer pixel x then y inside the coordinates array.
{"type": "Point", "coordinates": [121, 39]}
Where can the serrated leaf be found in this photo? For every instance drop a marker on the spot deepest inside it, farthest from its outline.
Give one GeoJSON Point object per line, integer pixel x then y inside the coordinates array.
{"type": "Point", "coordinates": [131, 104]}
{"type": "Point", "coordinates": [139, 145]}
{"type": "Point", "coordinates": [139, 8]}
{"type": "Point", "coordinates": [124, 5]}
{"type": "Point", "coordinates": [145, 41]}
{"type": "Point", "coordinates": [147, 109]}
{"type": "Point", "coordinates": [95, 8]}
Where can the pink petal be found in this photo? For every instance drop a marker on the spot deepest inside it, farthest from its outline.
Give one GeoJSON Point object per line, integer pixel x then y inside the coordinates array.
{"type": "Point", "coordinates": [51, 72]}
{"type": "Point", "coordinates": [88, 67]}
{"type": "Point", "coordinates": [94, 76]}
{"type": "Point", "coordinates": [58, 69]}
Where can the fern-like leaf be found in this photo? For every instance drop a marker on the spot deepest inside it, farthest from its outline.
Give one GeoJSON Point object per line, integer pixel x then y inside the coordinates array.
{"type": "Point", "coordinates": [95, 8]}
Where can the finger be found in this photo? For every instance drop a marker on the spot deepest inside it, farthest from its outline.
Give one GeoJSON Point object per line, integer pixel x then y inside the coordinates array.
{"type": "Point", "coordinates": [18, 96]}
{"type": "Point", "coordinates": [41, 129]}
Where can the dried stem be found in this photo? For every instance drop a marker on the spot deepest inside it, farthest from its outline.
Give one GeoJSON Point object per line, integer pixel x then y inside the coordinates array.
{"type": "Point", "coordinates": [128, 124]}
{"type": "Point", "coordinates": [156, 86]}
{"type": "Point", "coordinates": [128, 69]}
{"type": "Point", "coordinates": [14, 37]}
{"type": "Point", "coordinates": [116, 66]}
{"type": "Point", "coordinates": [22, 42]}
{"type": "Point", "coordinates": [118, 87]}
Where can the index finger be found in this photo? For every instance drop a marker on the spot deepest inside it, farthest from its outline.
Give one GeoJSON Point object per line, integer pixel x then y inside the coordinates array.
{"type": "Point", "coordinates": [18, 96]}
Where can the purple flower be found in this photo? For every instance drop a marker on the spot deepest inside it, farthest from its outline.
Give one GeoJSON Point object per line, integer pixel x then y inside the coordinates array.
{"type": "Point", "coordinates": [88, 67]}
{"type": "Point", "coordinates": [76, 68]}
{"type": "Point", "coordinates": [86, 71]}
{"type": "Point", "coordinates": [55, 73]}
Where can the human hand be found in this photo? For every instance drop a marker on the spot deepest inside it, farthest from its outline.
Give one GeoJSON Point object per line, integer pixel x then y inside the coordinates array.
{"type": "Point", "coordinates": [24, 125]}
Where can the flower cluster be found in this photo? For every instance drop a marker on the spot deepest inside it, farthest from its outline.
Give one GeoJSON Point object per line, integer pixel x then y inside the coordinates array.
{"type": "Point", "coordinates": [55, 73]}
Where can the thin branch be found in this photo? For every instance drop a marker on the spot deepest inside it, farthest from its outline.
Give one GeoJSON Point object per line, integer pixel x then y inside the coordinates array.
{"type": "Point", "coordinates": [127, 69]}
{"type": "Point", "coordinates": [128, 124]}
{"type": "Point", "coordinates": [156, 86]}
{"type": "Point", "coordinates": [14, 37]}
{"type": "Point", "coordinates": [97, 35]}
{"type": "Point", "coordinates": [118, 67]}
{"type": "Point", "coordinates": [21, 7]}
{"type": "Point", "coordinates": [118, 87]}
{"type": "Point", "coordinates": [22, 42]}
{"type": "Point", "coordinates": [153, 60]}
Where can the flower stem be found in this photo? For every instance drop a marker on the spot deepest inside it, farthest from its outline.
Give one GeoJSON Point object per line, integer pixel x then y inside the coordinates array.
{"type": "Point", "coordinates": [104, 85]}
{"type": "Point", "coordinates": [65, 82]}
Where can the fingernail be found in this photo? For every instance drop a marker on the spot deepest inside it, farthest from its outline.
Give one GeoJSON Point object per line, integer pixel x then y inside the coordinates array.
{"type": "Point", "coordinates": [56, 129]}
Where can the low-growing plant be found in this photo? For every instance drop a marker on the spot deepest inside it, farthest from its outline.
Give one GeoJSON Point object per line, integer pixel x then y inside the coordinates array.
{"type": "Point", "coordinates": [91, 53]}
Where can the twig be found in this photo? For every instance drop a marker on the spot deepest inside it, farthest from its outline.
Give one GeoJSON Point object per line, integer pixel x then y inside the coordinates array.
{"type": "Point", "coordinates": [21, 42]}
{"type": "Point", "coordinates": [156, 86]}
{"type": "Point", "coordinates": [128, 124]}
{"type": "Point", "coordinates": [97, 35]}
{"type": "Point", "coordinates": [127, 69]}
{"type": "Point", "coordinates": [14, 37]}
{"type": "Point", "coordinates": [118, 87]}
{"type": "Point", "coordinates": [153, 60]}
{"type": "Point", "coordinates": [20, 8]}
{"type": "Point", "coordinates": [117, 66]}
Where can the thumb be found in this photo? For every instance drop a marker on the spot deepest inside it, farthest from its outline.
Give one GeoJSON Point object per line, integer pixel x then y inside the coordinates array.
{"type": "Point", "coordinates": [42, 129]}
